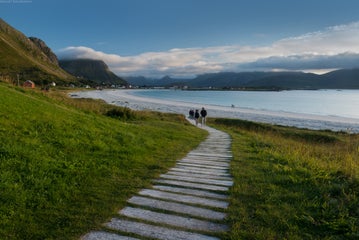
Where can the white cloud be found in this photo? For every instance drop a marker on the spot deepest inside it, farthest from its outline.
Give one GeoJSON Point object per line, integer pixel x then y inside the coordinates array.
{"type": "Point", "coordinates": [331, 41]}
{"type": "Point", "coordinates": [334, 47]}
{"type": "Point", "coordinates": [85, 52]}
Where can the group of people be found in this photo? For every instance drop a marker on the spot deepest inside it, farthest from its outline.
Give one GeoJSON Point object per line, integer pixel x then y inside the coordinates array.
{"type": "Point", "coordinates": [196, 114]}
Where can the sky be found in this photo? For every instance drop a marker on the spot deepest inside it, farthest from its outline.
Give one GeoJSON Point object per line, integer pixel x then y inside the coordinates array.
{"type": "Point", "coordinates": [185, 38]}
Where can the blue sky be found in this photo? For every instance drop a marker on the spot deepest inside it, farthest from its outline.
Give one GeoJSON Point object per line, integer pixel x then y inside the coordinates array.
{"type": "Point", "coordinates": [183, 38]}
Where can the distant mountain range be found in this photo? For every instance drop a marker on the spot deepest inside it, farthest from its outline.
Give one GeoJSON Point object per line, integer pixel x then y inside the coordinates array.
{"type": "Point", "coordinates": [339, 79]}
{"type": "Point", "coordinates": [94, 70]}
{"type": "Point", "coordinates": [23, 58]}
{"type": "Point", "coordinates": [153, 82]}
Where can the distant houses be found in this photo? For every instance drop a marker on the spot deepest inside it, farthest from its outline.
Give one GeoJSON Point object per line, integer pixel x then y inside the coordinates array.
{"type": "Point", "coordinates": [31, 84]}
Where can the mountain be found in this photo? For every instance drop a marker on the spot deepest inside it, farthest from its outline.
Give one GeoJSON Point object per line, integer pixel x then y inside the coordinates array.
{"type": "Point", "coordinates": [339, 79]}
{"type": "Point", "coordinates": [287, 80]}
{"type": "Point", "coordinates": [45, 49]}
{"type": "Point", "coordinates": [93, 70]}
{"type": "Point", "coordinates": [141, 81]}
{"type": "Point", "coordinates": [266, 80]}
{"type": "Point", "coordinates": [23, 58]}
{"type": "Point", "coordinates": [166, 81]}
{"type": "Point", "coordinates": [227, 79]}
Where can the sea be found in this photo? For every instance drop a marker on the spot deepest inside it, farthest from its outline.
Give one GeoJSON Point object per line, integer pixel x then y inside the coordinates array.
{"type": "Point", "coordinates": [336, 110]}
{"type": "Point", "coordinates": [340, 103]}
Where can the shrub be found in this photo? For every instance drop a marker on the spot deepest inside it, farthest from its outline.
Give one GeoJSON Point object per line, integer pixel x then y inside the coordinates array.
{"type": "Point", "coordinates": [121, 113]}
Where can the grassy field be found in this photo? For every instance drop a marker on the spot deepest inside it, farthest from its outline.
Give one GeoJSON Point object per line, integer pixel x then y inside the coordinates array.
{"type": "Point", "coordinates": [292, 183]}
{"type": "Point", "coordinates": [66, 166]}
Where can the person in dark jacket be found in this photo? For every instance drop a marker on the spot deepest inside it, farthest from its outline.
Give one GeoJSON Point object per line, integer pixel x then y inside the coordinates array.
{"type": "Point", "coordinates": [203, 116]}
{"type": "Point", "coordinates": [191, 114]}
{"type": "Point", "coordinates": [196, 116]}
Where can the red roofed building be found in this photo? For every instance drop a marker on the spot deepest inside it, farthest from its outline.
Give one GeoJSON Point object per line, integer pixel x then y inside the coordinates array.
{"type": "Point", "coordinates": [29, 84]}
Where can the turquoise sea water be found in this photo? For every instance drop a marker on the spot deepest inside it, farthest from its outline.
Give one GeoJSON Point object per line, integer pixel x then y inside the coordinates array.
{"type": "Point", "coordinates": [343, 103]}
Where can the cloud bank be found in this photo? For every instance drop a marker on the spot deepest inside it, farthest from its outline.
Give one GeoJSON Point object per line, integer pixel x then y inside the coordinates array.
{"type": "Point", "coordinates": [332, 48]}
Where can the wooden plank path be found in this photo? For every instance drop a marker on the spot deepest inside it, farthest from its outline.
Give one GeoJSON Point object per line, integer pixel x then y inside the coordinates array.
{"type": "Point", "coordinates": [188, 202]}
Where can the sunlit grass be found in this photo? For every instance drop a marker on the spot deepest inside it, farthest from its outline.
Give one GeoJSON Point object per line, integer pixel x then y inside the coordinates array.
{"type": "Point", "coordinates": [292, 183]}
{"type": "Point", "coordinates": [66, 167]}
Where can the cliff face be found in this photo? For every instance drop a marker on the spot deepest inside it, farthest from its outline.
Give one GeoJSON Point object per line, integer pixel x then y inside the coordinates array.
{"type": "Point", "coordinates": [27, 59]}
{"type": "Point", "coordinates": [94, 70]}
{"type": "Point", "coordinates": [45, 49]}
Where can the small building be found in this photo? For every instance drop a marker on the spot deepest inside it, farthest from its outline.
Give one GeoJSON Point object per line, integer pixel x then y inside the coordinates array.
{"type": "Point", "coordinates": [29, 84]}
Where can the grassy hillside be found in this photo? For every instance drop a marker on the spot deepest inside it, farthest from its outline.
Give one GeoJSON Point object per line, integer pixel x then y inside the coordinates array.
{"type": "Point", "coordinates": [65, 170]}
{"type": "Point", "coordinates": [291, 183]}
{"type": "Point", "coordinates": [20, 57]}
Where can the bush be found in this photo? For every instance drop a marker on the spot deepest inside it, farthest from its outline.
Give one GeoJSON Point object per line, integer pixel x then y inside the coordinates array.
{"type": "Point", "coordinates": [121, 113]}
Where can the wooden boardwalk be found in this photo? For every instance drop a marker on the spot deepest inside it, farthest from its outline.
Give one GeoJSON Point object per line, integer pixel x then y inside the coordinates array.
{"type": "Point", "coordinates": [188, 202]}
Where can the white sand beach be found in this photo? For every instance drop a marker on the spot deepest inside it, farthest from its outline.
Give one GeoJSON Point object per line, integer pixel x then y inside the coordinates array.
{"type": "Point", "coordinates": [126, 99]}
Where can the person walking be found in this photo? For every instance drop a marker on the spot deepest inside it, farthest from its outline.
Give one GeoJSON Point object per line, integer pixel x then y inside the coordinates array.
{"type": "Point", "coordinates": [203, 116]}
{"type": "Point", "coordinates": [196, 116]}
{"type": "Point", "coordinates": [191, 113]}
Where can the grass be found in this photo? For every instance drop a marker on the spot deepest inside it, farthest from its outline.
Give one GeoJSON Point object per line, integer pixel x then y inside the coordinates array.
{"type": "Point", "coordinates": [66, 167]}
{"type": "Point", "coordinates": [292, 183]}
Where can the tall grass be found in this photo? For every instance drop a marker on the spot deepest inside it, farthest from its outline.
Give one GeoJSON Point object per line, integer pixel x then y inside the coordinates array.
{"type": "Point", "coordinates": [292, 183]}
{"type": "Point", "coordinates": [64, 170]}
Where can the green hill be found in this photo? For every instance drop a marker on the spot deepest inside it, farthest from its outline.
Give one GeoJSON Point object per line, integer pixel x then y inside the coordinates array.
{"type": "Point", "coordinates": [64, 171]}
{"type": "Point", "coordinates": [22, 58]}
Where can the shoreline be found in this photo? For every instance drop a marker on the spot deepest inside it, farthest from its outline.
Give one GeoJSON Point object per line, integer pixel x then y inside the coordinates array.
{"type": "Point", "coordinates": [124, 98]}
